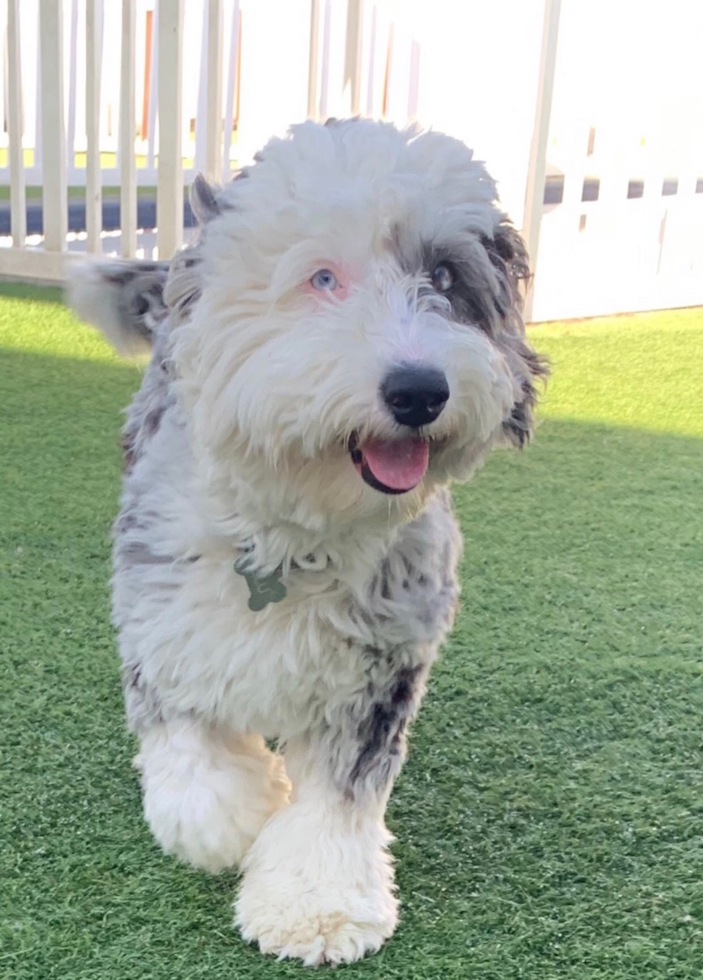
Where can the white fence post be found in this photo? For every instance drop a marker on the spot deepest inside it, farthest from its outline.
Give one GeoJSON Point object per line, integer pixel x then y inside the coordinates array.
{"type": "Point", "coordinates": [55, 199]}
{"type": "Point", "coordinates": [534, 192]}
{"type": "Point", "coordinates": [352, 57]}
{"type": "Point", "coordinates": [169, 197]}
{"type": "Point", "coordinates": [93, 73]}
{"type": "Point", "coordinates": [213, 92]}
{"type": "Point", "coordinates": [232, 71]}
{"type": "Point", "coordinates": [313, 58]}
{"type": "Point", "coordinates": [128, 125]}
{"type": "Point", "coordinates": [18, 203]}
{"type": "Point", "coordinates": [153, 88]}
{"type": "Point", "coordinates": [325, 68]}
{"type": "Point", "coordinates": [72, 87]}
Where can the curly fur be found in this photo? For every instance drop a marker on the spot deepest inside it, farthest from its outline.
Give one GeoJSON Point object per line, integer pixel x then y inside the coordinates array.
{"type": "Point", "coordinates": [239, 444]}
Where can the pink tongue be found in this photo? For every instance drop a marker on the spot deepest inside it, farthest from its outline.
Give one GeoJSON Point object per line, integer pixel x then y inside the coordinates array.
{"type": "Point", "coordinates": [398, 463]}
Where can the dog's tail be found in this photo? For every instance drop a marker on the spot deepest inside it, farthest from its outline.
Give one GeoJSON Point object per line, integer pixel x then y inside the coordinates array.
{"type": "Point", "coordinates": [123, 299]}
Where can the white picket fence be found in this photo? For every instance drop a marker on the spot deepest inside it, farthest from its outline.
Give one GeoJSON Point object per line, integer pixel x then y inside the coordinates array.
{"type": "Point", "coordinates": [626, 142]}
{"type": "Point", "coordinates": [604, 99]}
{"type": "Point", "coordinates": [165, 87]}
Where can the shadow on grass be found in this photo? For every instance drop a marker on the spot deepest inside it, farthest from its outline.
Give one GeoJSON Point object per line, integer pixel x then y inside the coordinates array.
{"type": "Point", "coordinates": [549, 817]}
{"type": "Point", "coordinates": [42, 294]}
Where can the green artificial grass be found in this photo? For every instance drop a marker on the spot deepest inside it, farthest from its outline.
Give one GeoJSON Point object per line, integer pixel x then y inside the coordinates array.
{"type": "Point", "coordinates": [550, 817]}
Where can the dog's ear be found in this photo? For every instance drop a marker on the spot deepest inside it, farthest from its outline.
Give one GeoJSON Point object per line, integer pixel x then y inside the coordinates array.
{"type": "Point", "coordinates": [508, 256]}
{"type": "Point", "coordinates": [204, 200]}
{"type": "Point", "coordinates": [127, 300]}
{"type": "Point", "coordinates": [123, 299]}
{"type": "Point", "coordinates": [184, 281]}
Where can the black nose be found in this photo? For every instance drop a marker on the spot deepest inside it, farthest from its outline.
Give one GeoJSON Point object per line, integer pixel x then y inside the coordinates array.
{"type": "Point", "coordinates": [415, 395]}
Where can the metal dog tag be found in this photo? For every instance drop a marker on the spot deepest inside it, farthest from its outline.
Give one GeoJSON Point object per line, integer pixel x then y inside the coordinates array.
{"type": "Point", "coordinates": [263, 590]}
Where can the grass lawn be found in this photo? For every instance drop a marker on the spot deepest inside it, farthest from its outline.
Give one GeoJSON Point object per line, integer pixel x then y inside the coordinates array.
{"type": "Point", "coordinates": [550, 819]}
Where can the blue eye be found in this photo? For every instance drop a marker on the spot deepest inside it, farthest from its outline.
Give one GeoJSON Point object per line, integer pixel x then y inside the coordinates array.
{"type": "Point", "coordinates": [324, 279]}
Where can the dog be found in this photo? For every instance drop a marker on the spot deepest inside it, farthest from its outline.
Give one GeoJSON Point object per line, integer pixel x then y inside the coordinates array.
{"type": "Point", "coordinates": [342, 342]}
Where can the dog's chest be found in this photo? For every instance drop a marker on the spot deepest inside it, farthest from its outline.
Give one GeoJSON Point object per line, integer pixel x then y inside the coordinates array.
{"type": "Point", "coordinates": [203, 649]}
{"type": "Point", "coordinates": [269, 670]}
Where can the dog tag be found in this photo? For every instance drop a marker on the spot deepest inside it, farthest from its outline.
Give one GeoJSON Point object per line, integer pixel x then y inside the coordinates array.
{"type": "Point", "coordinates": [262, 590]}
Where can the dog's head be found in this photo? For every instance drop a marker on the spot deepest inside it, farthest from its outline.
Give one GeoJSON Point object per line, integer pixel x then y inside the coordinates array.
{"type": "Point", "coordinates": [356, 337]}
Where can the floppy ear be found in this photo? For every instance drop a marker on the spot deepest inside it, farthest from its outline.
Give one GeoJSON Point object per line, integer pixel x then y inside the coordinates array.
{"type": "Point", "coordinates": [123, 299]}
{"type": "Point", "coordinates": [508, 255]}
{"type": "Point", "coordinates": [127, 300]}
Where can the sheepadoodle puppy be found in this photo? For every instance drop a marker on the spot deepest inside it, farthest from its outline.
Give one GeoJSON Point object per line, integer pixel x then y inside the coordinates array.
{"type": "Point", "coordinates": [343, 341]}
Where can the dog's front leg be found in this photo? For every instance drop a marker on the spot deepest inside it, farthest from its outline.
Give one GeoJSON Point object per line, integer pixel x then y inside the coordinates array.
{"type": "Point", "coordinates": [318, 881]}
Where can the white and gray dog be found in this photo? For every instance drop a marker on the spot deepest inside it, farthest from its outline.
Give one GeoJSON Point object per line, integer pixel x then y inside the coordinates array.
{"type": "Point", "coordinates": [343, 341]}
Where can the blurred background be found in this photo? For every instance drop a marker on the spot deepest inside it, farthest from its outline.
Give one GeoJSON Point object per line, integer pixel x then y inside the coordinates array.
{"type": "Point", "coordinates": [588, 112]}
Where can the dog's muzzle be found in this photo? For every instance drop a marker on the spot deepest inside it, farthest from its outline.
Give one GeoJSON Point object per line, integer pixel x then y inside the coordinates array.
{"type": "Point", "coordinates": [415, 396]}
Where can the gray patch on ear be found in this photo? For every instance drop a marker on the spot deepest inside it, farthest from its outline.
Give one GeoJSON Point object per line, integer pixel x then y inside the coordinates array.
{"type": "Point", "coordinates": [204, 200]}
{"type": "Point", "coordinates": [507, 253]}
{"type": "Point", "coordinates": [532, 369]}
{"type": "Point", "coordinates": [123, 299]}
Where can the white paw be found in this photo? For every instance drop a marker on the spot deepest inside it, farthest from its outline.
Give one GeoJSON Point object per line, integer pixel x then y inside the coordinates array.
{"type": "Point", "coordinates": [206, 802]}
{"type": "Point", "coordinates": [323, 897]}
{"type": "Point", "coordinates": [305, 933]}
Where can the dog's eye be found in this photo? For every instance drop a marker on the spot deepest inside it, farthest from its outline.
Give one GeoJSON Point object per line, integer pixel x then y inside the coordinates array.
{"type": "Point", "coordinates": [443, 278]}
{"type": "Point", "coordinates": [324, 279]}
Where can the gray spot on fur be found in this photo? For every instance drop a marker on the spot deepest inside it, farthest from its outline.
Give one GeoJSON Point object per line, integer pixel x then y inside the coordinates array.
{"type": "Point", "coordinates": [142, 704]}
{"type": "Point", "coordinates": [408, 607]}
{"type": "Point", "coordinates": [381, 732]}
{"type": "Point", "coordinates": [152, 401]}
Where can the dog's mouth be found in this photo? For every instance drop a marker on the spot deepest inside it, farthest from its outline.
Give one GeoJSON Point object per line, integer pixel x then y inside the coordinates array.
{"type": "Point", "coordinates": [391, 466]}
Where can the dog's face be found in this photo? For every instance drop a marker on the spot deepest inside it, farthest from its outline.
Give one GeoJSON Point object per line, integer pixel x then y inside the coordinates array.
{"type": "Point", "coordinates": [357, 338]}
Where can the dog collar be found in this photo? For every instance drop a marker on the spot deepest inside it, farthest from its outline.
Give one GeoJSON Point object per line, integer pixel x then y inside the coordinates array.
{"type": "Point", "coordinates": [265, 589]}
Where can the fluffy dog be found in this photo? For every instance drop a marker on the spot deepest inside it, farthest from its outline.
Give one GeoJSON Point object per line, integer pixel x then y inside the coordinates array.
{"type": "Point", "coordinates": [343, 341]}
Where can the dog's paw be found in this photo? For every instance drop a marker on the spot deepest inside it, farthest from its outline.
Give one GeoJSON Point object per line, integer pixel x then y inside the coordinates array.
{"type": "Point", "coordinates": [302, 920]}
{"type": "Point", "coordinates": [205, 802]}
{"type": "Point", "coordinates": [198, 824]}
{"type": "Point", "coordinates": [317, 889]}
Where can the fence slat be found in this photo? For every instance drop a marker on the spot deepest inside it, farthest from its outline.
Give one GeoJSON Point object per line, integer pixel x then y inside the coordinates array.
{"type": "Point", "coordinates": [35, 263]}
{"type": "Point", "coordinates": [352, 55]}
{"type": "Point", "coordinates": [55, 203]}
{"type": "Point", "coordinates": [313, 59]}
{"type": "Point", "coordinates": [325, 67]}
{"type": "Point", "coordinates": [414, 80]}
{"type": "Point", "coordinates": [213, 90]}
{"type": "Point", "coordinates": [153, 89]}
{"type": "Point", "coordinates": [372, 62]}
{"type": "Point", "coordinates": [534, 192]}
{"type": "Point", "coordinates": [128, 126]}
{"type": "Point", "coordinates": [169, 197]}
{"type": "Point", "coordinates": [230, 93]}
{"type": "Point", "coordinates": [93, 177]}
{"type": "Point", "coordinates": [72, 80]}
{"type": "Point", "coordinates": [18, 203]}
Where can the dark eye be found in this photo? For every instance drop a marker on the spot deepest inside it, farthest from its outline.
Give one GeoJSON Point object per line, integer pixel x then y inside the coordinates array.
{"type": "Point", "coordinates": [324, 279]}
{"type": "Point", "coordinates": [443, 278]}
